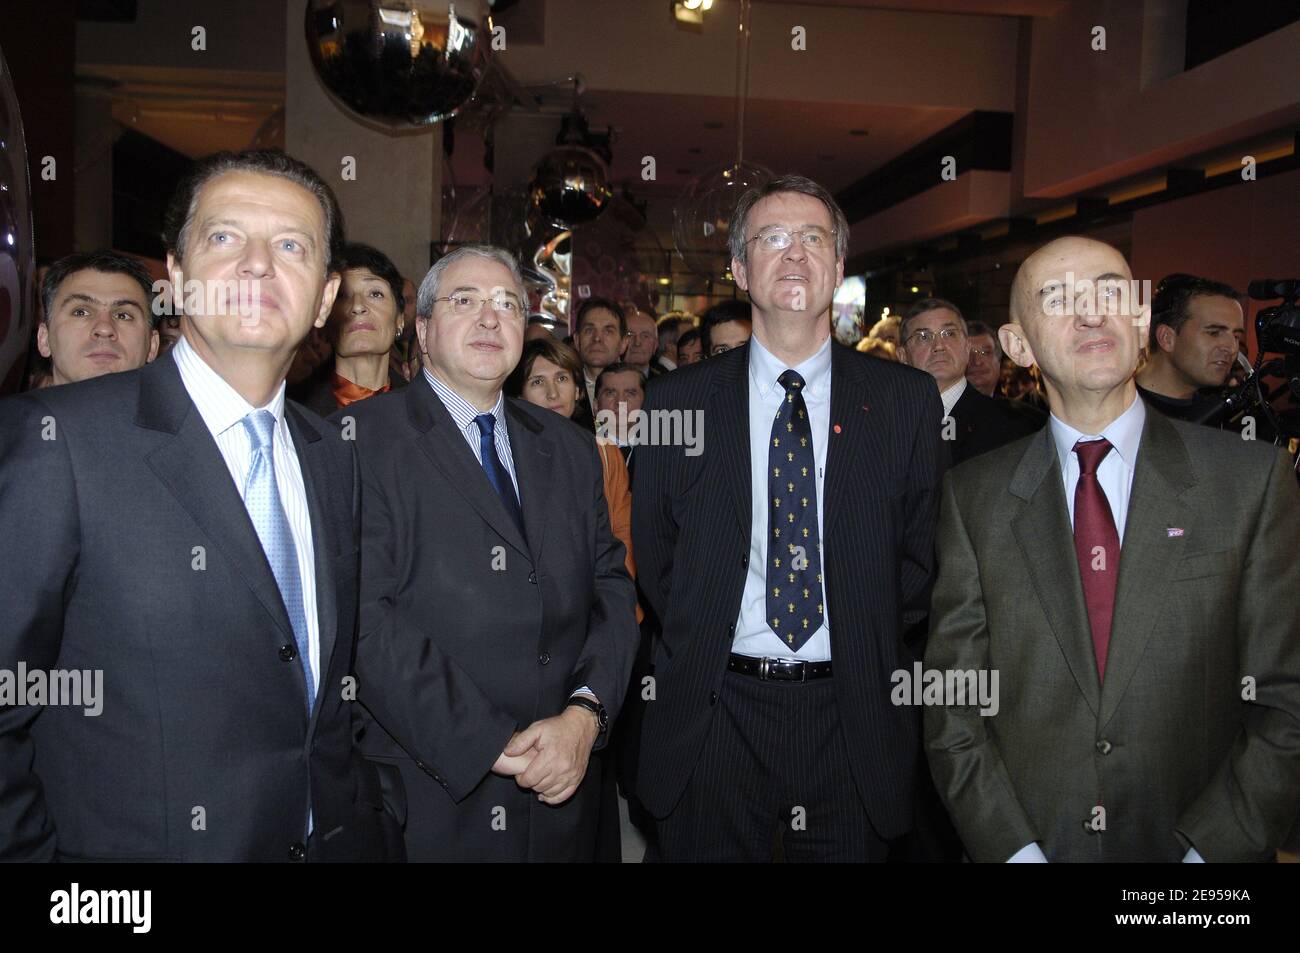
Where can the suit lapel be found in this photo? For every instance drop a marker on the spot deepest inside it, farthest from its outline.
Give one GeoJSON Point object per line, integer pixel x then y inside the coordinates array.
{"type": "Point", "coordinates": [532, 453]}
{"type": "Point", "coordinates": [856, 440]}
{"type": "Point", "coordinates": [190, 465]}
{"type": "Point", "coordinates": [443, 443]}
{"type": "Point", "coordinates": [729, 428]}
{"type": "Point", "coordinates": [1149, 554]}
{"type": "Point", "coordinates": [318, 479]}
{"type": "Point", "coordinates": [1043, 531]}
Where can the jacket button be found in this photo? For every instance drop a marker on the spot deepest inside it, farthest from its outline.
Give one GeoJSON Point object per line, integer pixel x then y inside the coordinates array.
{"type": "Point", "coordinates": [1087, 826]}
{"type": "Point", "coordinates": [1104, 746]}
{"type": "Point", "coordinates": [297, 852]}
{"type": "Point", "coordinates": [731, 629]}
{"type": "Point", "coordinates": [544, 658]}
{"type": "Point", "coordinates": [288, 653]}
{"type": "Point", "coordinates": [713, 698]}
{"type": "Point", "coordinates": [532, 577]}
{"type": "Point", "coordinates": [744, 560]}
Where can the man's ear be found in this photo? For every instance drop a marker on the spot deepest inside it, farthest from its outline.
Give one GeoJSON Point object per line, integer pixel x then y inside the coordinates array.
{"type": "Point", "coordinates": [1015, 345]}
{"type": "Point", "coordinates": [328, 293]}
{"type": "Point", "coordinates": [742, 277]}
{"type": "Point", "coordinates": [154, 340]}
{"type": "Point", "coordinates": [1166, 337]}
{"type": "Point", "coordinates": [901, 353]}
{"type": "Point", "coordinates": [43, 339]}
{"type": "Point", "coordinates": [421, 333]}
{"type": "Point", "coordinates": [177, 278]}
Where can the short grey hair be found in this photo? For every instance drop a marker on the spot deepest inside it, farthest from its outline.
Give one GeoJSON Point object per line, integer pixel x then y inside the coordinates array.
{"type": "Point", "coordinates": [429, 286]}
{"type": "Point", "coordinates": [929, 304]}
{"type": "Point", "coordinates": [736, 242]}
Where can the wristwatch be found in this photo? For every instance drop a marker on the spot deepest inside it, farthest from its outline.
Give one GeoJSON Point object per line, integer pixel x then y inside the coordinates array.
{"type": "Point", "coordinates": [597, 709]}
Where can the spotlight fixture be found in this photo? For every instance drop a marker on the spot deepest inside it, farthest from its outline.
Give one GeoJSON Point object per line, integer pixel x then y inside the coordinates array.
{"type": "Point", "coordinates": [689, 14]}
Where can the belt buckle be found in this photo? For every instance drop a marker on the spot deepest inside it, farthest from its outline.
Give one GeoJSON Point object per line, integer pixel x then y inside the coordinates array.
{"type": "Point", "coordinates": [764, 667]}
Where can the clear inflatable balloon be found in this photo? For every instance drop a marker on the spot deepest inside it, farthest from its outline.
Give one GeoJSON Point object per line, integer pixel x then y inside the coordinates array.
{"type": "Point", "coordinates": [702, 217]}
{"type": "Point", "coordinates": [17, 266]}
{"type": "Point", "coordinates": [400, 63]}
{"type": "Point", "coordinates": [569, 187]}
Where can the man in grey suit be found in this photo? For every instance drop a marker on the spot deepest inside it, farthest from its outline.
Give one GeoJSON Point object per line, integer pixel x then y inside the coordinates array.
{"type": "Point", "coordinates": [1134, 582]}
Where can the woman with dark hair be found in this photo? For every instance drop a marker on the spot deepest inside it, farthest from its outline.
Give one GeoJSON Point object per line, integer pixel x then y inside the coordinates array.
{"type": "Point", "coordinates": [366, 319]}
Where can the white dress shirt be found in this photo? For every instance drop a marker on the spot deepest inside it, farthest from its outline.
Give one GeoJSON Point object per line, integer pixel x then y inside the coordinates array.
{"type": "Point", "coordinates": [950, 396]}
{"type": "Point", "coordinates": [754, 637]}
{"type": "Point", "coordinates": [223, 411]}
{"type": "Point", "coordinates": [1115, 474]}
{"type": "Point", "coordinates": [463, 413]}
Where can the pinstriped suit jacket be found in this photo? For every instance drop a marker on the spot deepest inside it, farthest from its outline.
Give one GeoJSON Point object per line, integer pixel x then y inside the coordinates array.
{"type": "Point", "coordinates": [691, 526]}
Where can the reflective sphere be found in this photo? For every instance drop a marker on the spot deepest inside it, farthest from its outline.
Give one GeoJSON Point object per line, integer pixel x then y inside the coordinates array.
{"type": "Point", "coordinates": [17, 267]}
{"type": "Point", "coordinates": [399, 62]}
{"type": "Point", "coordinates": [702, 217]}
{"type": "Point", "coordinates": [570, 186]}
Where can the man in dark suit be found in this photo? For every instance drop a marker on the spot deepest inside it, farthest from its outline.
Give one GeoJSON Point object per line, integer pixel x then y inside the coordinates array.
{"type": "Point", "coordinates": [785, 561]}
{"type": "Point", "coordinates": [1133, 583]}
{"type": "Point", "coordinates": [934, 339]}
{"type": "Point", "coordinates": [190, 537]}
{"type": "Point", "coordinates": [498, 623]}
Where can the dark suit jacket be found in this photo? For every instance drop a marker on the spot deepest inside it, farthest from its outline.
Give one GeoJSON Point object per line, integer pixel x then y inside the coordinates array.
{"type": "Point", "coordinates": [470, 632]}
{"type": "Point", "coordinates": [317, 391]}
{"type": "Point", "coordinates": [1166, 745]}
{"type": "Point", "coordinates": [984, 423]}
{"type": "Point", "coordinates": [129, 550]}
{"type": "Point", "coordinates": [691, 527]}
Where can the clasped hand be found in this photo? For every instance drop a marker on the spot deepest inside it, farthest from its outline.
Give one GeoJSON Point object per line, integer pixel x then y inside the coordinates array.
{"type": "Point", "coordinates": [550, 756]}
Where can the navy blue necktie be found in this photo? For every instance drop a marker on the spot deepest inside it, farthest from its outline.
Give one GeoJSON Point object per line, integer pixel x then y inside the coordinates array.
{"type": "Point", "coordinates": [495, 470]}
{"type": "Point", "coordinates": [794, 562]}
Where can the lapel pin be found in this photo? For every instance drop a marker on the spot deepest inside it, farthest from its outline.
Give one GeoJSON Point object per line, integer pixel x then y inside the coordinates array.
{"type": "Point", "coordinates": [866, 407]}
{"type": "Point", "coordinates": [837, 428]}
{"type": "Point", "coordinates": [1172, 531]}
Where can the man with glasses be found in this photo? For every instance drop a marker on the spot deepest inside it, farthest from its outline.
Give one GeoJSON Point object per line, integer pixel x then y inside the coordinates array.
{"type": "Point", "coordinates": [642, 342]}
{"type": "Point", "coordinates": [984, 369]}
{"type": "Point", "coordinates": [934, 339]}
{"type": "Point", "coordinates": [600, 335]}
{"type": "Point", "coordinates": [490, 672]}
{"type": "Point", "coordinates": [772, 718]}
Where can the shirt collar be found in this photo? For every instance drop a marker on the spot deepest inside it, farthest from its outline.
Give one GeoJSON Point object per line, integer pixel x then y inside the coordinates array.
{"type": "Point", "coordinates": [765, 368]}
{"type": "Point", "coordinates": [952, 395]}
{"type": "Point", "coordinates": [219, 404]}
{"type": "Point", "coordinates": [461, 410]}
{"type": "Point", "coordinates": [1124, 434]}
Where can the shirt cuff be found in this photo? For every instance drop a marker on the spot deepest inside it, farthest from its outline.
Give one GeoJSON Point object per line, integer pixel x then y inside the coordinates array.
{"type": "Point", "coordinates": [1193, 857]}
{"type": "Point", "coordinates": [585, 690]}
{"type": "Point", "coordinates": [1029, 854]}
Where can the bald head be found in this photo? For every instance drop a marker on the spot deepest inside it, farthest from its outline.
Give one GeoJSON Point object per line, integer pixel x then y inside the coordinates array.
{"type": "Point", "coordinates": [1077, 315]}
{"type": "Point", "coordinates": [1072, 254]}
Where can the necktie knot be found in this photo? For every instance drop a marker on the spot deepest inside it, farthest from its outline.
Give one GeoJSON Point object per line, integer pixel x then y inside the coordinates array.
{"type": "Point", "coordinates": [486, 424]}
{"type": "Point", "coordinates": [1091, 453]}
{"type": "Point", "coordinates": [260, 426]}
{"type": "Point", "coordinates": [791, 380]}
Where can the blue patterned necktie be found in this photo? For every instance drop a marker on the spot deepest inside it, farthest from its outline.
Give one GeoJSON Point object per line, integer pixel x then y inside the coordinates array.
{"type": "Point", "coordinates": [262, 500]}
{"type": "Point", "coordinates": [794, 563]}
{"type": "Point", "coordinates": [495, 469]}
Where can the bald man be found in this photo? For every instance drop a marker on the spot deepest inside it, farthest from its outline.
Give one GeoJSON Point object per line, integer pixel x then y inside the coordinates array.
{"type": "Point", "coordinates": [1132, 581]}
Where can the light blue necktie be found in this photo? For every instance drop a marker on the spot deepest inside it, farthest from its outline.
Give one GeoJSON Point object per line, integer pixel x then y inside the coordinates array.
{"type": "Point", "coordinates": [262, 499]}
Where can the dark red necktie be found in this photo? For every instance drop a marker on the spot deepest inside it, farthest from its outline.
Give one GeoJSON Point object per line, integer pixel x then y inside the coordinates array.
{"type": "Point", "coordinates": [1096, 542]}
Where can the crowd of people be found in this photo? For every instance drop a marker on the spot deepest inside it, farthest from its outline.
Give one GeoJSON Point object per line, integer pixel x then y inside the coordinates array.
{"type": "Point", "coordinates": [347, 606]}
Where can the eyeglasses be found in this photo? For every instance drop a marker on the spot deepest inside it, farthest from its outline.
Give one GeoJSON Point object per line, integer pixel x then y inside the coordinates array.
{"type": "Point", "coordinates": [926, 336]}
{"type": "Point", "coordinates": [779, 238]}
{"type": "Point", "coordinates": [982, 351]}
{"type": "Point", "coordinates": [642, 336]}
{"type": "Point", "coordinates": [466, 302]}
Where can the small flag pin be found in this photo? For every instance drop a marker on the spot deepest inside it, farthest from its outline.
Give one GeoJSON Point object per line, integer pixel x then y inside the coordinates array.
{"type": "Point", "coordinates": [837, 428]}
{"type": "Point", "coordinates": [1174, 531]}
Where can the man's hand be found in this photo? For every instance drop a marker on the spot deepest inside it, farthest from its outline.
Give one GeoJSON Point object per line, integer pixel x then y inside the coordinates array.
{"type": "Point", "coordinates": [560, 748]}
{"type": "Point", "coordinates": [510, 766]}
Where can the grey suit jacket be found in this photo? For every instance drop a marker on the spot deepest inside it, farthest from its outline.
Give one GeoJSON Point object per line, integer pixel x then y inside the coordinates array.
{"type": "Point", "coordinates": [1193, 739]}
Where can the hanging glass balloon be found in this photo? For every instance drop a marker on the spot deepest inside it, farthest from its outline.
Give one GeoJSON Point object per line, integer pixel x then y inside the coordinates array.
{"type": "Point", "coordinates": [569, 187]}
{"type": "Point", "coordinates": [702, 217]}
{"type": "Point", "coordinates": [401, 63]}
{"type": "Point", "coordinates": [17, 268]}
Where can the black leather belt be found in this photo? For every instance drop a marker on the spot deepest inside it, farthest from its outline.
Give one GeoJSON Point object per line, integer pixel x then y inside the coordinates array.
{"type": "Point", "coordinates": [778, 670]}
